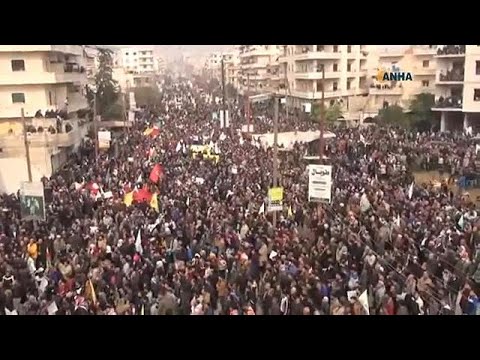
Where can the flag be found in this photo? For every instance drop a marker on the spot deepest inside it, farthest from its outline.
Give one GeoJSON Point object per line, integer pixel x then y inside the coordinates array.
{"type": "Point", "coordinates": [477, 149]}
{"type": "Point", "coordinates": [461, 222]}
{"type": "Point", "coordinates": [138, 242]}
{"type": "Point", "coordinates": [139, 179]}
{"type": "Point", "coordinates": [49, 259]}
{"type": "Point", "coordinates": [363, 299]}
{"type": "Point", "coordinates": [142, 310]}
{"type": "Point", "coordinates": [156, 173]}
{"type": "Point", "coordinates": [142, 195]}
{"type": "Point", "coordinates": [154, 202]}
{"type": "Point", "coordinates": [290, 212]}
{"type": "Point", "coordinates": [128, 198]}
{"type": "Point", "coordinates": [155, 132]}
{"type": "Point", "coordinates": [397, 220]}
{"type": "Point", "coordinates": [410, 191]}
{"type": "Point", "coordinates": [148, 131]}
{"type": "Point", "coordinates": [262, 209]}
{"type": "Point", "coordinates": [90, 292]}
{"type": "Point", "coordinates": [362, 139]}
{"type": "Point", "coordinates": [188, 201]}
{"type": "Point", "coordinates": [179, 147]}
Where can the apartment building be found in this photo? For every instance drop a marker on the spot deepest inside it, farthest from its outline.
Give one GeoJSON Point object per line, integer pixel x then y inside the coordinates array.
{"type": "Point", "coordinates": [91, 62]}
{"type": "Point", "coordinates": [161, 64]}
{"type": "Point", "coordinates": [255, 63]}
{"type": "Point", "coordinates": [136, 60]}
{"type": "Point", "coordinates": [37, 78]}
{"type": "Point", "coordinates": [457, 87]}
{"type": "Point", "coordinates": [231, 61]}
{"type": "Point", "coordinates": [345, 68]}
{"type": "Point", "coordinates": [417, 60]}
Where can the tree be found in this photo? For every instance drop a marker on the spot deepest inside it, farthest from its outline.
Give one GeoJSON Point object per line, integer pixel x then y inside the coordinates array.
{"type": "Point", "coordinates": [106, 87]}
{"type": "Point", "coordinates": [421, 115]}
{"type": "Point", "coordinates": [331, 114]}
{"type": "Point", "coordinates": [147, 96]}
{"type": "Point", "coordinates": [392, 115]}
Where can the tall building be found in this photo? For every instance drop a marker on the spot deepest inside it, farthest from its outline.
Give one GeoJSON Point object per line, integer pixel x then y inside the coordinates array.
{"type": "Point", "coordinates": [37, 79]}
{"type": "Point", "coordinates": [345, 68]}
{"type": "Point", "coordinates": [255, 61]}
{"type": "Point", "coordinates": [457, 87]}
{"type": "Point", "coordinates": [136, 60]}
{"type": "Point", "coordinates": [417, 60]}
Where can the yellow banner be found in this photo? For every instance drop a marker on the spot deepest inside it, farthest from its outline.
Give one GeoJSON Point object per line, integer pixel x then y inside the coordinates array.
{"type": "Point", "coordinates": [275, 194]}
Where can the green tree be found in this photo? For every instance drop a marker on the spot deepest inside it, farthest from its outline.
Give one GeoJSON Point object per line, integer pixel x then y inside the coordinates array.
{"type": "Point", "coordinates": [421, 115]}
{"type": "Point", "coordinates": [147, 96]}
{"type": "Point", "coordinates": [333, 113]}
{"type": "Point", "coordinates": [393, 115]}
{"type": "Point", "coordinates": [107, 88]}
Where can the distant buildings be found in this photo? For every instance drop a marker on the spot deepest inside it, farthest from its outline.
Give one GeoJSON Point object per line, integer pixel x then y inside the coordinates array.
{"type": "Point", "coordinates": [136, 60]}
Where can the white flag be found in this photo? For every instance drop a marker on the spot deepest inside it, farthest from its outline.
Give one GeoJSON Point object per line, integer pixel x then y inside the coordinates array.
{"type": "Point", "coordinates": [139, 180]}
{"type": "Point", "coordinates": [397, 220]}
{"type": "Point", "coordinates": [179, 147]}
{"type": "Point", "coordinates": [262, 209]}
{"type": "Point", "coordinates": [477, 148]}
{"type": "Point", "coordinates": [8, 312]}
{"type": "Point", "coordinates": [363, 299]}
{"type": "Point", "coordinates": [410, 191]}
{"type": "Point", "coordinates": [188, 201]}
{"type": "Point", "coordinates": [362, 139]}
{"type": "Point", "coordinates": [461, 222]}
{"type": "Point", "coordinates": [138, 242]}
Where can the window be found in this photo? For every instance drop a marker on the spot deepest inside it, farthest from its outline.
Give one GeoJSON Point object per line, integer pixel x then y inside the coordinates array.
{"type": "Point", "coordinates": [476, 95]}
{"type": "Point", "coordinates": [18, 98]}
{"type": "Point", "coordinates": [50, 102]}
{"type": "Point", "coordinates": [134, 53]}
{"type": "Point", "coordinates": [349, 84]}
{"type": "Point", "coordinates": [335, 67]}
{"type": "Point", "coordinates": [126, 54]}
{"type": "Point", "coordinates": [349, 67]}
{"type": "Point", "coordinates": [335, 86]}
{"type": "Point", "coordinates": [426, 63]}
{"type": "Point", "coordinates": [320, 47]}
{"type": "Point", "coordinates": [18, 65]}
{"type": "Point", "coordinates": [477, 67]}
{"type": "Point", "coordinates": [335, 48]}
{"type": "Point", "coordinates": [425, 83]}
{"type": "Point", "coordinates": [349, 48]}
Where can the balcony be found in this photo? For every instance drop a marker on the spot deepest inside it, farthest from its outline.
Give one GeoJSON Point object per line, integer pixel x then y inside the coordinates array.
{"type": "Point", "coordinates": [451, 51]}
{"type": "Point", "coordinates": [385, 90]}
{"type": "Point", "coordinates": [424, 50]}
{"type": "Point", "coordinates": [76, 50]}
{"type": "Point", "coordinates": [421, 71]}
{"type": "Point", "coordinates": [391, 53]}
{"type": "Point", "coordinates": [315, 95]}
{"type": "Point", "coordinates": [450, 103]}
{"type": "Point", "coordinates": [317, 55]}
{"type": "Point", "coordinates": [36, 78]}
{"type": "Point", "coordinates": [450, 77]}
{"type": "Point", "coordinates": [317, 75]}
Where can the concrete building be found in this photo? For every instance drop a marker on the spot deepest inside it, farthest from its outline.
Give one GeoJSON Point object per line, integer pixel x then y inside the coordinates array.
{"type": "Point", "coordinates": [345, 72]}
{"type": "Point", "coordinates": [91, 62]}
{"type": "Point", "coordinates": [457, 87]}
{"type": "Point", "coordinates": [37, 78]}
{"type": "Point", "coordinates": [419, 61]}
{"type": "Point", "coordinates": [136, 60]}
{"type": "Point", "coordinates": [161, 65]}
{"type": "Point", "coordinates": [255, 61]}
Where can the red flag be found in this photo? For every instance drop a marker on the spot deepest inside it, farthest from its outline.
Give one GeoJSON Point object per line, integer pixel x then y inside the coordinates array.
{"type": "Point", "coordinates": [142, 195]}
{"type": "Point", "coordinates": [155, 132]}
{"type": "Point", "coordinates": [156, 173]}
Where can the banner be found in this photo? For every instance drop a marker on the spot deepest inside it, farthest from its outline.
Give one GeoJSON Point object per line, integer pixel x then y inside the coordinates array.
{"type": "Point", "coordinates": [247, 128]}
{"type": "Point", "coordinates": [32, 201]}
{"type": "Point", "coordinates": [320, 183]}
{"type": "Point", "coordinates": [131, 116]}
{"type": "Point", "coordinates": [104, 138]}
{"type": "Point", "coordinates": [131, 99]}
{"type": "Point", "coordinates": [275, 199]}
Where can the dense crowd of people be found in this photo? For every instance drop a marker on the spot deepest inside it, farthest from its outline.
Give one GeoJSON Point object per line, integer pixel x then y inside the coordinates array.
{"type": "Point", "coordinates": [148, 228]}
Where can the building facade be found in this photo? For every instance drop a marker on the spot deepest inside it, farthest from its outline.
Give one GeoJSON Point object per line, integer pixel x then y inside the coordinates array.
{"type": "Point", "coordinates": [48, 83]}
{"type": "Point", "coordinates": [136, 60]}
{"type": "Point", "coordinates": [457, 87]}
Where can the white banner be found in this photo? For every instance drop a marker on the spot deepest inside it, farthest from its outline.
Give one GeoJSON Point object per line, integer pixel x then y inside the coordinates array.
{"type": "Point", "coordinates": [131, 100]}
{"type": "Point", "coordinates": [247, 128]}
{"type": "Point", "coordinates": [131, 116]}
{"type": "Point", "coordinates": [104, 138]}
{"type": "Point", "coordinates": [320, 183]}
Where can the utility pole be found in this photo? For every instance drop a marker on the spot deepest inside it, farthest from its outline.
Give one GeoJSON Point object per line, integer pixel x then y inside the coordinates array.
{"type": "Point", "coordinates": [95, 132]}
{"type": "Point", "coordinates": [247, 103]}
{"type": "Point", "coordinates": [322, 118]}
{"type": "Point", "coordinates": [27, 147]}
{"type": "Point", "coordinates": [224, 94]}
{"type": "Point", "coordinates": [275, 151]}
{"type": "Point", "coordinates": [286, 91]}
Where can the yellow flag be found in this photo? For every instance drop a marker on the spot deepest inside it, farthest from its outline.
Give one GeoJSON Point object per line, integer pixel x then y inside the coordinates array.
{"type": "Point", "coordinates": [154, 202]}
{"type": "Point", "coordinates": [90, 292]}
{"type": "Point", "coordinates": [128, 198]}
{"type": "Point", "coordinates": [148, 131]}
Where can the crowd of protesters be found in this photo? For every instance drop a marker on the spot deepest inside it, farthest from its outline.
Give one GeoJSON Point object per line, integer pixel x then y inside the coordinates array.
{"type": "Point", "coordinates": [148, 228]}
